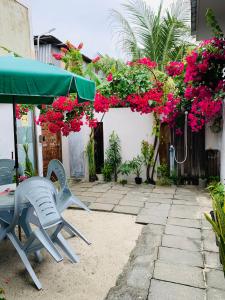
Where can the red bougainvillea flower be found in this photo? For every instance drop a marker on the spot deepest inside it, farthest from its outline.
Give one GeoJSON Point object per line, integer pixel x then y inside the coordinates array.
{"type": "Point", "coordinates": [57, 56]}
{"type": "Point", "coordinates": [174, 68]}
{"type": "Point", "coordinates": [109, 77]}
{"type": "Point", "coordinates": [97, 58]}
{"type": "Point", "coordinates": [80, 46]}
{"type": "Point", "coordinates": [147, 62]}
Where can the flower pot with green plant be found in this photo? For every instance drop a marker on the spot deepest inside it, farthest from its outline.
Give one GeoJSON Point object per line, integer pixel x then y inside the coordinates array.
{"type": "Point", "coordinates": [113, 156]}
{"type": "Point", "coordinates": [107, 172]}
{"type": "Point", "coordinates": [90, 152]}
{"type": "Point", "coordinates": [136, 165]}
{"type": "Point", "coordinates": [125, 170]}
{"type": "Point", "coordinates": [202, 182]}
{"type": "Point", "coordinates": [218, 225]}
{"type": "Point", "coordinates": [147, 152]}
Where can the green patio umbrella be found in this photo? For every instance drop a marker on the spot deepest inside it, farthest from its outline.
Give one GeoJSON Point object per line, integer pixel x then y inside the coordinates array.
{"type": "Point", "coordinates": [27, 81]}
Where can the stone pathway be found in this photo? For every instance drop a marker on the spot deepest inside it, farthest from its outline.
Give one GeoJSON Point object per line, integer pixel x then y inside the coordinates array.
{"type": "Point", "coordinates": [175, 256]}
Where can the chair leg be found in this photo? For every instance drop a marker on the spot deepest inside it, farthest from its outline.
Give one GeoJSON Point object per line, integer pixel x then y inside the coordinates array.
{"type": "Point", "coordinates": [24, 259]}
{"type": "Point", "coordinates": [48, 244]}
{"type": "Point", "coordinates": [76, 232]}
{"type": "Point", "coordinates": [66, 248]}
{"type": "Point", "coordinates": [70, 232]}
{"type": "Point", "coordinates": [76, 201]}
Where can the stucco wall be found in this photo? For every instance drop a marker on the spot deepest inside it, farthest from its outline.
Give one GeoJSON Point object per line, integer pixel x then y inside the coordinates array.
{"type": "Point", "coordinates": [131, 128]}
{"type": "Point", "coordinates": [15, 28]}
{"type": "Point", "coordinates": [14, 35]}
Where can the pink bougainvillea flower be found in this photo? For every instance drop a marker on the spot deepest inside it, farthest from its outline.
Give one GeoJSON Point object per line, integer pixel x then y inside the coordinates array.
{"type": "Point", "coordinates": [174, 68]}
{"type": "Point", "coordinates": [147, 62]}
{"type": "Point", "coordinates": [80, 46]}
{"type": "Point", "coordinates": [57, 56]}
{"type": "Point", "coordinates": [97, 58]}
{"type": "Point", "coordinates": [109, 77]}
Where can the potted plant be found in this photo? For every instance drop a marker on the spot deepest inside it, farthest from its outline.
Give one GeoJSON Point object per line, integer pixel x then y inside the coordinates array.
{"type": "Point", "coordinates": [113, 156]}
{"type": "Point", "coordinates": [90, 152]}
{"type": "Point", "coordinates": [147, 152]}
{"type": "Point", "coordinates": [202, 182]}
{"type": "Point", "coordinates": [136, 165]}
{"type": "Point", "coordinates": [125, 169]}
{"type": "Point", "coordinates": [107, 172]}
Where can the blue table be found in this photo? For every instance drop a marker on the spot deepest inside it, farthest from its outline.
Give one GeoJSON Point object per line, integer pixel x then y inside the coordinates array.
{"type": "Point", "coordinates": [7, 207]}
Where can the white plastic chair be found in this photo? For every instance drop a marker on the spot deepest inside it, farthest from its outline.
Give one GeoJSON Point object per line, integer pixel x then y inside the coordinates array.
{"type": "Point", "coordinates": [64, 198]}
{"type": "Point", "coordinates": [46, 232]}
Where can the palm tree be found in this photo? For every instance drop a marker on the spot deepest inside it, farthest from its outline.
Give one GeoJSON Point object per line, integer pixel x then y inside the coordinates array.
{"type": "Point", "coordinates": [162, 35]}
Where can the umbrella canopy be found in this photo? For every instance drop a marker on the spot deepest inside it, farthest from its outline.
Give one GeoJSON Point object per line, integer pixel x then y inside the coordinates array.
{"type": "Point", "coordinates": [27, 81]}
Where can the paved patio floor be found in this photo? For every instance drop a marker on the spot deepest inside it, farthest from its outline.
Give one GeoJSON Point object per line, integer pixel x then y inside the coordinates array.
{"type": "Point", "coordinates": [175, 256]}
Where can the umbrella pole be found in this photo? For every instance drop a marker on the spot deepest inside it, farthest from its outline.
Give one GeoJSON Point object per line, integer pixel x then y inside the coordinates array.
{"type": "Point", "coordinates": [16, 153]}
{"type": "Point", "coordinates": [15, 142]}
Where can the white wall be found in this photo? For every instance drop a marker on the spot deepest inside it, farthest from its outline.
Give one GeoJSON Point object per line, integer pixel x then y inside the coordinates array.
{"type": "Point", "coordinates": [131, 128]}
{"type": "Point", "coordinates": [6, 131]}
{"type": "Point", "coordinates": [15, 35]}
{"type": "Point", "coordinates": [212, 140]}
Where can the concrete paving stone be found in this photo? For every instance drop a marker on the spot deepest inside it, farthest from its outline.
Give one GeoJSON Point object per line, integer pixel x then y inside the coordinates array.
{"type": "Point", "coordinates": [192, 276]}
{"type": "Point", "coordinates": [112, 195]}
{"type": "Point", "coordinates": [178, 256]}
{"type": "Point", "coordinates": [153, 229]}
{"type": "Point", "coordinates": [135, 198]}
{"type": "Point", "coordinates": [126, 293]}
{"type": "Point", "coordinates": [162, 290]}
{"type": "Point", "coordinates": [87, 199]}
{"type": "Point", "coordinates": [183, 231]}
{"type": "Point", "coordinates": [131, 202]}
{"type": "Point", "coordinates": [156, 209]}
{"type": "Point", "coordinates": [185, 198]}
{"type": "Point", "coordinates": [107, 200]}
{"type": "Point", "coordinates": [212, 260]}
{"type": "Point", "coordinates": [139, 277]}
{"type": "Point", "coordinates": [184, 211]}
{"type": "Point", "coordinates": [181, 242]}
{"type": "Point", "coordinates": [185, 202]}
{"type": "Point", "coordinates": [214, 294]}
{"type": "Point", "coordinates": [125, 209]}
{"type": "Point", "coordinates": [101, 206]}
{"type": "Point", "coordinates": [88, 184]}
{"type": "Point", "coordinates": [209, 241]}
{"type": "Point", "coordinates": [215, 279]}
{"type": "Point", "coordinates": [206, 224]}
{"type": "Point", "coordinates": [92, 194]}
{"type": "Point", "coordinates": [158, 200]}
{"type": "Point", "coordinates": [204, 201]}
{"type": "Point", "coordinates": [150, 219]}
{"type": "Point", "coordinates": [184, 222]}
{"type": "Point", "coordinates": [159, 196]}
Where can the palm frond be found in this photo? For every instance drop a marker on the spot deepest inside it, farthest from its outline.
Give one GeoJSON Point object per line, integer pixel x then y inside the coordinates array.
{"type": "Point", "coordinates": [125, 35]}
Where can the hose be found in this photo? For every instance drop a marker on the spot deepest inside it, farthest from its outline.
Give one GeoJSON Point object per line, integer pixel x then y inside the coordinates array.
{"type": "Point", "coordinates": [185, 142]}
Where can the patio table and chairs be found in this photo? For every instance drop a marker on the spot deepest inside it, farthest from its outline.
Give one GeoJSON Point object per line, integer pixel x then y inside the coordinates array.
{"type": "Point", "coordinates": [36, 206]}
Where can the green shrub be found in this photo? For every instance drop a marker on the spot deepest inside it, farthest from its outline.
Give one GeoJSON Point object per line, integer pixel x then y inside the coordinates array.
{"type": "Point", "coordinates": [113, 156]}
{"type": "Point", "coordinates": [147, 152]}
{"type": "Point", "coordinates": [107, 172]}
{"type": "Point", "coordinates": [90, 152]}
{"type": "Point", "coordinates": [136, 165]}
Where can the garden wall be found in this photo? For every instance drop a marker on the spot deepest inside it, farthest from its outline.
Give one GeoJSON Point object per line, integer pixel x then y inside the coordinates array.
{"type": "Point", "coordinates": [131, 128]}
{"type": "Point", "coordinates": [15, 35]}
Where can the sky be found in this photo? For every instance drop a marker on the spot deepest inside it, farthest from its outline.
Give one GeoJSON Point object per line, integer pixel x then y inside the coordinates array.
{"type": "Point", "coordinates": [86, 21]}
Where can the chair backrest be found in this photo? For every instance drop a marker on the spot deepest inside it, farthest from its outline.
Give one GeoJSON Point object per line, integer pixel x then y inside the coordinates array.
{"type": "Point", "coordinates": [41, 193]}
{"type": "Point", "coordinates": [56, 167]}
{"type": "Point", "coordinates": [6, 171]}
